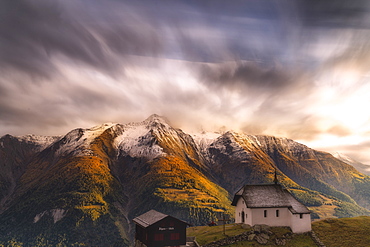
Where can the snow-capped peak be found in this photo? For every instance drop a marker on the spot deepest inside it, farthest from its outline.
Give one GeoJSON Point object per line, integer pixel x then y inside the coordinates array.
{"type": "Point", "coordinates": [204, 139]}
{"type": "Point", "coordinates": [155, 118]}
{"type": "Point", "coordinates": [136, 139]}
{"type": "Point", "coordinates": [155, 121]}
{"type": "Point", "coordinates": [42, 141]}
{"type": "Point", "coordinates": [92, 133]}
{"type": "Point", "coordinates": [101, 128]}
{"type": "Point", "coordinates": [79, 140]}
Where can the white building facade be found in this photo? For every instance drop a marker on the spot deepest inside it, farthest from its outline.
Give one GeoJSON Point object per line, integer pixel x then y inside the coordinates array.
{"type": "Point", "coordinates": [270, 205]}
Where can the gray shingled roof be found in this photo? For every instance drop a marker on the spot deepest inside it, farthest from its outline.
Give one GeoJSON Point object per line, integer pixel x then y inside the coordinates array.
{"type": "Point", "coordinates": [149, 218]}
{"type": "Point", "coordinates": [269, 196]}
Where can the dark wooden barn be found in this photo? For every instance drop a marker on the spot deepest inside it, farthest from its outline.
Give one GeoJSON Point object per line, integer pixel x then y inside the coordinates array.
{"type": "Point", "coordinates": [155, 229]}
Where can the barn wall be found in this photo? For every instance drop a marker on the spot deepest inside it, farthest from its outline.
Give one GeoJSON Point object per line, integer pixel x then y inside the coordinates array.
{"type": "Point", "coordinates": [166, 228]}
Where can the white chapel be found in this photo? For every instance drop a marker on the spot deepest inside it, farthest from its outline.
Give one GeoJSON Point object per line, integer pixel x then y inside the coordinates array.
{"type": "Point", "coordinates": [271, 205]}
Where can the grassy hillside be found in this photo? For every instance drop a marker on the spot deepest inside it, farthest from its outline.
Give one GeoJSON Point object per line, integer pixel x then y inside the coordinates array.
{"type": "Point", "coordinates": [352, 232]}
{"type": "Point", "coordinates": [205, 235]}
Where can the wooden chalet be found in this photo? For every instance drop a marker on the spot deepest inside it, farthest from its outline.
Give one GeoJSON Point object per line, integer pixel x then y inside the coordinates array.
{"type": "Point", "coordinates": [155, 229]}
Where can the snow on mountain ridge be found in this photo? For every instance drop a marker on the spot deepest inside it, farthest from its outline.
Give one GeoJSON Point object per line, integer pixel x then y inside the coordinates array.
{"type": "Point", "coordinates": [152, 120]}
{"type": "Point", "coordinates": [363, 168]}
{"type": "Point", "coordinates": [271, 142]}
{"type": "Point", "coordinates": [133, 138]}
{"type": "Point", "coordinates": [242, 145]}
{"type": "Point", "coordinates": [137, 141]}
{"type": "Point", "coordinates": [40, 141]}
{"type": "Point", "coordinates": [78, 141]}
{"type": "Point", "coordinates": [204, 138]}
{"type": "Point", "coordinates": [343, 157]}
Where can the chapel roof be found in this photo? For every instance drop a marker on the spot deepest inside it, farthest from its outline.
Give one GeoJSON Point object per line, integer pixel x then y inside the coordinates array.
{"type": "Point", "coordinates": [269, 196]}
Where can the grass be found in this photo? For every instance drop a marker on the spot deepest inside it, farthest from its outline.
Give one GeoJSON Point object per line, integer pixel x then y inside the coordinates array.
{"type": "Point", "coordinates": [326, 210]}
{"type": "Point", "coordinates": [298, 241]}
{"type": "Point", "coordinates": [205, 235]}
{"type": "Point", "coordinates": [332, 232]}
{"type": "Point", "coordinates": [352, 232]}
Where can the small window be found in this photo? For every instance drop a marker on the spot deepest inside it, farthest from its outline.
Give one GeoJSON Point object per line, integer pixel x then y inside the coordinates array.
{"type": "Point", "coordinates": [300, 216]}
{"type": "Point", "coordinates": [277, 212]}
{"type": "Point", "coordinates": [158, 237]}
{"type": "Point", "coordinates": [265, 213]}
{"type": "Point", "coordinates": [175, 236]}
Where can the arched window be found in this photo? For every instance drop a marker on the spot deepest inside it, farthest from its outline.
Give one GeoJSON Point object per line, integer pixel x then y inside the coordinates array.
{"type": "Point", "coordinates": [243, 219]}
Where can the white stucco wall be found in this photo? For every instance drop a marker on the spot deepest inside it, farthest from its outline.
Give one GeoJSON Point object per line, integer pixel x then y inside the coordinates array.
{"type": "Point", "coordinates": [241, 207]}
{"type": "Point", "coordinates": [255, 216]}
{"type": "Point", "coordinates": [300, 225]}
{"type": "Point", "coordinates": [271, 219]}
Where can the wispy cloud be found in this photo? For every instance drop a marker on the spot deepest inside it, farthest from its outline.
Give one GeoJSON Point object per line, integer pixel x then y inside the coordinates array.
{"type": "Point", "coordinates": [290, 68]}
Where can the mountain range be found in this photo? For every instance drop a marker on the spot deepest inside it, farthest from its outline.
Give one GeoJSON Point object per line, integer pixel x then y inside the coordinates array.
{"type": "Point", "coordinates": [84, 188]}
{"type": "Point", "coordinates": [361, 167]}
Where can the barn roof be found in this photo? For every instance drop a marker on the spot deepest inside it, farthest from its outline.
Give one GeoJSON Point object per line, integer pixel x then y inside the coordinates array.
{"type": "Point", "coordinates": [151, 217]}
{"type": "Point", "coordinates": [269, 196]}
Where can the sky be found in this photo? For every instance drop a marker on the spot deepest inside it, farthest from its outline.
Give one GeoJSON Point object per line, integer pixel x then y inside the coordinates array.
{"type": "Point", "coordinates": [291, 68]}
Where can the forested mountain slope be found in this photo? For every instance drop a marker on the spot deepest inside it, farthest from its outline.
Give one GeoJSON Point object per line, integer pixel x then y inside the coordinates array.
{"type": "Point", "coordinates": [87, 186]}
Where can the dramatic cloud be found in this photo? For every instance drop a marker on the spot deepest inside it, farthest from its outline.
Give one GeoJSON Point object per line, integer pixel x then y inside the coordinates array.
{"type": "Point", "coordinates": [297, 69]}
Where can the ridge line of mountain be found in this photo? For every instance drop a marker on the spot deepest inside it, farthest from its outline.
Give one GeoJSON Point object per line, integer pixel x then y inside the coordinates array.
{"type": "Point", "coordinates": [102, 177]}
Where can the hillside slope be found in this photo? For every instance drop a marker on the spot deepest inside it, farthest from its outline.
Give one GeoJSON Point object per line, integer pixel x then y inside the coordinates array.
{"type": "Point", "coordinates": [66, 195]}
{"type": "Point", "coordinates": [314, 177]}
{"type": "Point", "coordinates": [332, 232]}
{"type": "Point", "coordinates": [85, 188]}
{"type": "Point", "coordinates": [363, 168]}
{"type": "Point", "coordinates": [344, 232]}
